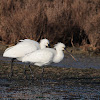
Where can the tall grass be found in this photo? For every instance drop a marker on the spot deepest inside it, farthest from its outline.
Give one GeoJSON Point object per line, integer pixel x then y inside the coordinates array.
{"type": "Point", "coordinates": [74, 22]}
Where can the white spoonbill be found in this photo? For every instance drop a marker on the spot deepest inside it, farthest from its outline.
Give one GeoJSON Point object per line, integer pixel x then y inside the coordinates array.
{"type": "Point", "coordinates": [22, 48]}
{"type": "Point", "coordinates": [45, 56]}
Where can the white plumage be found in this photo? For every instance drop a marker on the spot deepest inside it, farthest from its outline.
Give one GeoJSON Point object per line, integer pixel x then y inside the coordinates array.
{"type": "Point", "coordinates": [24, 47]}
{"type": "Point", "coordinates": [45, 56]}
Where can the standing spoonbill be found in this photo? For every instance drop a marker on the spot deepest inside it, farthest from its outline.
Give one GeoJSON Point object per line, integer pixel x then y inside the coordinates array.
{"type": "Point", "coordinates": [45, 56]}
{"type": "Point", "coordinates": [22, 48]}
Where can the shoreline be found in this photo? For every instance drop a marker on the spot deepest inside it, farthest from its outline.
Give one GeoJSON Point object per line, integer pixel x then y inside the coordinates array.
{"type": "Point", "coordinates": [72, 50]}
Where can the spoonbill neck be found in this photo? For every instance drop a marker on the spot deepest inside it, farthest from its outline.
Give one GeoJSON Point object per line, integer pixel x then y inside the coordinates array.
{"type": "Point", "coordinates": [42, 46]}
{"type": "Point", "coordinates": [59, 56]}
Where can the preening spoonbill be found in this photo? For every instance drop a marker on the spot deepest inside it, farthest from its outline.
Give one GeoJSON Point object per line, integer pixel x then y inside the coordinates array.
{"type": "Point", "coordinates": [22, 48]}
{"type": "Point", "coordinates": [45, 56]}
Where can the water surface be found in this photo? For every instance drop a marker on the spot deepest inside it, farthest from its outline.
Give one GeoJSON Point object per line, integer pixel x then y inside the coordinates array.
{"type": "Point", "coordinates": [83, 61]}
{"type": "Point", "coordinates": [14, 90]}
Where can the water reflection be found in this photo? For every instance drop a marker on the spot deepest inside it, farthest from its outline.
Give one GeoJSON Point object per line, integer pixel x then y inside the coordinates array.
{"type": "Point", "coordinates": [14, 90]}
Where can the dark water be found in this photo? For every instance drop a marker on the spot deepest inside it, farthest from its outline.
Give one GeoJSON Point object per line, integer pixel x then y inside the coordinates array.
{"type": "Point", "coordinates": [21, 90]}
{"type": "Point", "coordinates": [83, 61]}
{"type": "Point", "coordinates": [25, 90]}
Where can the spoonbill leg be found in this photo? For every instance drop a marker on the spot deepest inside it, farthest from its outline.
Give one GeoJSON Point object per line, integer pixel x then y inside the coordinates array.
{"type": "Point", "coordinates": [42, 78]}
{"type": "Point", "coordinates": [31, 72]}
{"type": "Point", "coordinates": [11, 73]}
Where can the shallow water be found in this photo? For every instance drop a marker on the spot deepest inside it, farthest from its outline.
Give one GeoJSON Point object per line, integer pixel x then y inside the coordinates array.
{"type": "Point", "coordinates": [18, 90]}
{"type": "Point", "coordinates": [14, 90]}
{"type": "Point", "coordinates": [83, 61]}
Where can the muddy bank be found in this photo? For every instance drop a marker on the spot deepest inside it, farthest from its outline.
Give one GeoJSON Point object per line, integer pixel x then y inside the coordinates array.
{"type": "Point", "coordinates": [81, 75]}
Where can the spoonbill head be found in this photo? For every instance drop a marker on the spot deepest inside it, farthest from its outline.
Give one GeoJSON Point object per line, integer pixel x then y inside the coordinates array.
{"type": "Point", "coordinates": [44, 43]}
{"type": "Point", "coordinates": [60, 46]}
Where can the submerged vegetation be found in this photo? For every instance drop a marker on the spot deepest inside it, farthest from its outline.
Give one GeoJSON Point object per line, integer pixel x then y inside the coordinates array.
{"type": "Point", "coordinates": [73, 22]}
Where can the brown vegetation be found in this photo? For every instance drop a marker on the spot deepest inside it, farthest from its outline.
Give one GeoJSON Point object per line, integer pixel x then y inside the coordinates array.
{"type": "Point", "coordinates": [74, 22]}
